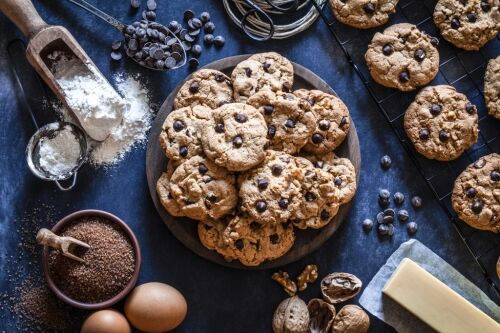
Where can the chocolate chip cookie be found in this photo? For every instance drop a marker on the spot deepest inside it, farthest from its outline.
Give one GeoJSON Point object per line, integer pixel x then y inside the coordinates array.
{"type": "Point", "coordinates": [211, 234]}
{"type": "Point", "coordinates": [319, 202]}
{"type": "Point", "coordinates": [476, 194]}
{"type": "Point", "coordinates": [468, 24]}
{"type": "Point", "coordinates": [402, 57]}
{"type": "Point", "coordinates": [492, 87]}
{"type": "Point", "coordinates": [342, 171]}
{"type": "Point", "coordinates": [180, 136]}
{"type": "Point", "coordinates": [202, 189]}
{"type": "Point", "coordinates": [289, 125]}
{"type": "Point", "coordinates": [163, 190]}
{"type": "Point", "coordinates": [252, 243]}
{"type": "Point", "coordinates": [331, 120]}
{"type": "Point", "coordinates": [363, 14]}
{"type": "Point", "coordinates": [441, 123]}
{"type": "Point", "coordinates": [206, 87]}
{"type": "Point", "coordinates": [235, 138]}
{"type": "Point", "coordinates": [262, 71]}
{"type": "Point", "coordinates": [270, 193]}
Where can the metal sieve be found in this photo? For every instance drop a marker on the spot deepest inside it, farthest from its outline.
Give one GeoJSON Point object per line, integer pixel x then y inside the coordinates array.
{"type": "Point", "coordinates": [33, 153]}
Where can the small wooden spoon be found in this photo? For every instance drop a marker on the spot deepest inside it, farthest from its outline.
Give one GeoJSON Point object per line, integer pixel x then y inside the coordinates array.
{"type": "Point", "coordinates": [44, 39]}
{"type": "Point", "coordinates": [64, 244]}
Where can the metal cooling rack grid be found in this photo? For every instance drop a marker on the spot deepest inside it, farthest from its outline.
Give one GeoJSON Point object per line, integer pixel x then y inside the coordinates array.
{"type": "Point", "coordinates": [461, 69]}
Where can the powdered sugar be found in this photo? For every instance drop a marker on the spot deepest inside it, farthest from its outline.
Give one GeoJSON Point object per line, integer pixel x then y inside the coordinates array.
{"type": "Point", "coordinates": [59, 154]}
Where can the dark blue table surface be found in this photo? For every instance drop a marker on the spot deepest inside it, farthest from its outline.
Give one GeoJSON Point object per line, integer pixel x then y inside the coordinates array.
{"type": "Point", "coordinates": [220, 299]}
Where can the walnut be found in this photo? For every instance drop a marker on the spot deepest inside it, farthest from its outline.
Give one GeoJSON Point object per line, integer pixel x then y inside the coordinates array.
{"type": "Point", "coordinates": [308, 275]}
{"type": "Point", "coordinates": [284, 280]}
{"type": "Point", "coordinates": [340, 287]}
{"type": "Point", "coordinates": [351, 319]}
{"type": "Point", "coordinates": [321, 315]}
{"type": "Point", "coordinates": [291, 316]}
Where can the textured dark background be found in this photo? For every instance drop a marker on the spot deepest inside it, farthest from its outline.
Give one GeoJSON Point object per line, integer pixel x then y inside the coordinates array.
{"type": "Point", "coordinates": [220, 299]}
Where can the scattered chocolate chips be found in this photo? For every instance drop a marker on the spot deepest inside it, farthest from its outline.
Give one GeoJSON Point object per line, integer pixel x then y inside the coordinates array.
{"type": "Point", "coordinates": [205, 17]}
{"type": "Point", "coordinates": [416, 201]}
{"type": "Point", "coordinates": [403, 215]}
{"type": "Point", "coordinates": [384, 197]}
{"type": "Point", "coordinates": [219, 41]}
{"type": "Point", "coordinates": [196, 50]}
{"type": "Point", "coordinates": [188, 14]}
{"type": "Point", "coordinates": [399, 198]}
{"type": "Point", "coordinates": [135, 4]}
{"type": "Point", "coordinates": [116, 56]}
{"type": "Point", "coordinates": [412, 227]}
{"type": "Point", "coordinates": [208, 39]}
{"type": "Point", "coordinates": [367, 225]}
{"type": "Point", "coordinates": [383, 229]}
{"type": "Point", "coordinates": [380, 218]}
{"type": "Point", "coordinates": [209, 27]}
{"type": "Point", "coordinates": [385, 162]}
{"type": "Point", "coordinates": [193, 62]}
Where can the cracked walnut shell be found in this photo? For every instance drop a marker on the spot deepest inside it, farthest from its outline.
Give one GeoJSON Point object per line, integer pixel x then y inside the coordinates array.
{"type": "Point", "coordinates": [351, 319]}
{"type": "Point", "coordinates": [291, 316]}
{"type": "Point", "coordinates": [340, 287]}
{"type": "Point", "coordinates": [321, 315]}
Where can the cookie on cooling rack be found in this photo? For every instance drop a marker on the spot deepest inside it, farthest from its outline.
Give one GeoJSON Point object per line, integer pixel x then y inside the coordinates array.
{"type": "Point", "coordinates": [363, 14]}
{"type": "Point", "coordinates": [492, 87]}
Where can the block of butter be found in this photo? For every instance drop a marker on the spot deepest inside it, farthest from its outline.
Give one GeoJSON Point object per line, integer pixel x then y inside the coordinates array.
{"type": "Point", "coordinates": [435, 303]}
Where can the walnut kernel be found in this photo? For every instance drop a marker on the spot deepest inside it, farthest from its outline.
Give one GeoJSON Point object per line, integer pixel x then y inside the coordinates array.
{"type": "Point", "coordinates": [321, 315]}
{"type": "Point", "coordinates": [284, 280]}
{"type": "Point", "coordinates": [291, 316]}
{"type": "Point", "coordinates": [351, 319]}
{"type": "Point", "coordinates": [340, 287]}
{"type": "Point", "coordinates": [308, 275]}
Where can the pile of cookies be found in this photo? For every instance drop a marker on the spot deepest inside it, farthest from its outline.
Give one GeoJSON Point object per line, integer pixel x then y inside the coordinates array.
{"type": "Point", "coordinates": [252, 160]}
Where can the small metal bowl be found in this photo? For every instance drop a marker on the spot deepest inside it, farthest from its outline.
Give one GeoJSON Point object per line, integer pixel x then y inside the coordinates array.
{"type": "Point", "coordinates": [133, 240]}
{"type": "Point", "coordinates": [33, 156]}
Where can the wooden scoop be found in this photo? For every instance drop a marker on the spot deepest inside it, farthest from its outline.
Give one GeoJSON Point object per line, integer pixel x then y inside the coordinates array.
{"type": "Point", "coordinates": [44, 39]}
{"type": "Point", "coordinates": [64, 244]}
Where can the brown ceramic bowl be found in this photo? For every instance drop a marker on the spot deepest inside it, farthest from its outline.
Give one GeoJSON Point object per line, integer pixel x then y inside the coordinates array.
{"type": "Point", "coordinates": [135, 244]}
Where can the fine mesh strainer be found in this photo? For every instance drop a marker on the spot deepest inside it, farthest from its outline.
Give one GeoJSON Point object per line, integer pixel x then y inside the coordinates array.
{"type": "Point", "coordinates": [50, 131]}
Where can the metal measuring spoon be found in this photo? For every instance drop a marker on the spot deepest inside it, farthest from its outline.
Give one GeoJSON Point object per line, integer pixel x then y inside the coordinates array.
{"type": "Point", "coordinates": [33, 153]}
{"type": "Point", "coordinates": [150, 44]}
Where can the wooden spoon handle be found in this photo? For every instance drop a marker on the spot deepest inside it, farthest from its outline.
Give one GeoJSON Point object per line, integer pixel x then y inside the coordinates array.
{"type": "Point", "coordinates": [48, 238]}
{"type": "Point", "coordinates": [24, 15]}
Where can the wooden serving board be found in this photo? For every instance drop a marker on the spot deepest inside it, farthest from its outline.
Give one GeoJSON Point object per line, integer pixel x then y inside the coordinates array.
{"type": "Point", "coordinates": [185, 229]}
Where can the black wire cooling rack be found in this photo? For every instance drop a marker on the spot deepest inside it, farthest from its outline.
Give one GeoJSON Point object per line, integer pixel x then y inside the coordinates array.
{"type": "Point", "coordinates": [461, 69]}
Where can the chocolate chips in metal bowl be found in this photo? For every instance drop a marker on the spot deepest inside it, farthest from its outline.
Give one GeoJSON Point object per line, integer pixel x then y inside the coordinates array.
{"type": "Point", "coordinates": [110, 266]}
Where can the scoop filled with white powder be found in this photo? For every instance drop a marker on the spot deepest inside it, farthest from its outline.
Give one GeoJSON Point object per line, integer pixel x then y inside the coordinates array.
{"type": "Point", "coordinates": [60, 153]}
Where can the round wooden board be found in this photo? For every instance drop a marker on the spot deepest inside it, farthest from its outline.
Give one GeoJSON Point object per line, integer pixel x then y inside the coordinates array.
{"type": "Point", "coordinates": [185, 230]}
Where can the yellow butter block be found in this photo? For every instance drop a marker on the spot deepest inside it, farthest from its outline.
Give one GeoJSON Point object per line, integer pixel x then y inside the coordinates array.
{"type": "Point", "coordinates": [435, 303]}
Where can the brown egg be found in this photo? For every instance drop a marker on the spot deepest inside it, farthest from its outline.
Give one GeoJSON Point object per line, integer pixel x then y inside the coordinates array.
{"type": "Point", "coordinates": [106, 321]}
{"type": "Point", "coordinates": [155, 307]}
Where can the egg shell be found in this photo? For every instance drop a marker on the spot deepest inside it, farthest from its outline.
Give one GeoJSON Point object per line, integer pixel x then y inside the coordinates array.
{"type": "Point", "coordinates": [106, 321]}
{"type": "Point", "coordinates": [155, 307]}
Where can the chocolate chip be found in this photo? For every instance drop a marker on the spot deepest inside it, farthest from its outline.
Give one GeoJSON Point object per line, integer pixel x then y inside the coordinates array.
{"type": "Point", "coordinates": [412, 227]}
{"type": "Point", "coordinates": [183, 151]}
{"type": "Point", "coordinates": [387, 49]}
{"type": "Point", "coordinates": [380, 218]}
{"type": "Point", "coordinates": [130, 30]}
{"type": "Point", "coordinates": [117, 56]}
{"type": "Point", "coordinates": [399, 198]}
{"type": "Point", "coordinates": [319, 164]}
{"type": "Point", "coordinates": [262, 183]}
{"type": "Point", "coordinates": [135, 4]}
{"type": "Point", "coordinates": [219, 41]}
{"type": "Point", "coordinates": [443, 136]}
{"type": "Point", "coordinates": [472, 17]}
{"type": "Point", "coordinates": [271, 131]}
{"type": "Point", "coordinates": [403, 215]}
{"type": "Point", "coordinates": [283, 203]}
{"type": "Point", "coordinates": [179, 125]}
{"type": "Point", "coordinates": [369, 8]}
{"type": "Point", "coordinates": [436, 109]}
{"type": "Point", "coordinates": [268, 109]}
{"type": "Point", "coordinates": [261, 206]}
{"type": "Point", "coordinates": [286, 87]}
{"type": "Point", "coordinates": [219, 77]}
{"type": "Point", "coordinates": [404, 76]}
{"type": "Point", "coordinates": [385, 162]}
{"type": "Point", "coordinates": [343, 121]}
{"type": "Point", "coordinates": [324, 215]}
{"type": "Point", "coordinates": [367, 225]}
{"type": "Point", "coordinates": [289, 123]}
{"type": "Point", "coordinates": [196, 50]}
{"type": "Point", "coordinates": [324, 125]}
{"type": "Point", "coordinates": [495, 176]}
{"type": "Point", "coordinates": [317, 138]}
{"type": "Point", "coordinates": [477, 206]}
{"type": "Point", "coordinates": [423, 134]}
{"type": "Point", "coordinates": [188, 14]}
{"type": "Point", "coordinates": [116, 45]}
{"type": "Point", "coordinates": [202, 168]}
{"type": "Point", "coordinates": [276, 170]}
{"type": "Point", "coordinates": [255, 225]}
{"type": "Point", "coordinates": [219, 128]}
{"type": "Point", "coordinates": [389, 212]}
{"type": "Point", "coordinates": [387, 219]}
{"type": "Point", "coordinates": [133, 44]}
{"type": "Point", "coordinates": [237, 141]}
{"type": "Point", "coordinates": [266, 66]}
{"type": "Point", "coordinates": [208, 39]}
{"type": "Point", "coordinates": [212, 198]}
{"type": "Point", "coordinates": [416, 201]}
{"type": "Point", "coordinates": [149, 15]}
{"type": "Point", "coordinates": [241, 118]}
{"type": "Point", "coordinates": [274, 238]}
{"type": "Point", "coordinates": [384, 194]}
{"type": "Point", "coordinates": [434, 41]}
{"type": "Point", "coordinates": [239, 244]}
{"type": "Point", "coordinates": [205, 17]}
{"type": "Point", "coordinates": [479, 164]}
{"type": "Point", "coordinates": [455, 23]}
{"type": "Point", "coordinates": [383, 229]}
{"type": "Point", "coordinates": [248, 72]}
{"type": "Point", "coordinates": [485, 6]}
{"type": "Point", "coordinates": [471, 192]}
{"type": "Point", "coordinates": [209, 27]}
{"type": "Point", "coordinates": [419, 55]}
{"type": "Point", "coordinates": [469, 107]}
{"type": "Point", "coordinates": [188, 202]}
{"type": "Point", "coordinates": [194, 87]}
{"type": "Point", "coordinates": [309, 196]}
{"type": "Point", "coordinates": [337, 181]}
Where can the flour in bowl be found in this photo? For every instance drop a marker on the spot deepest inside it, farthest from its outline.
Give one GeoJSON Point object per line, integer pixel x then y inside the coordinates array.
{"type": "Point", "coordinates": [59, 154]}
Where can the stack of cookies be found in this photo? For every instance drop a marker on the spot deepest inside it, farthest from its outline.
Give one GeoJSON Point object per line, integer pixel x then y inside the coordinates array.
{"type": "Point", "coordinates": [252, 160]}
